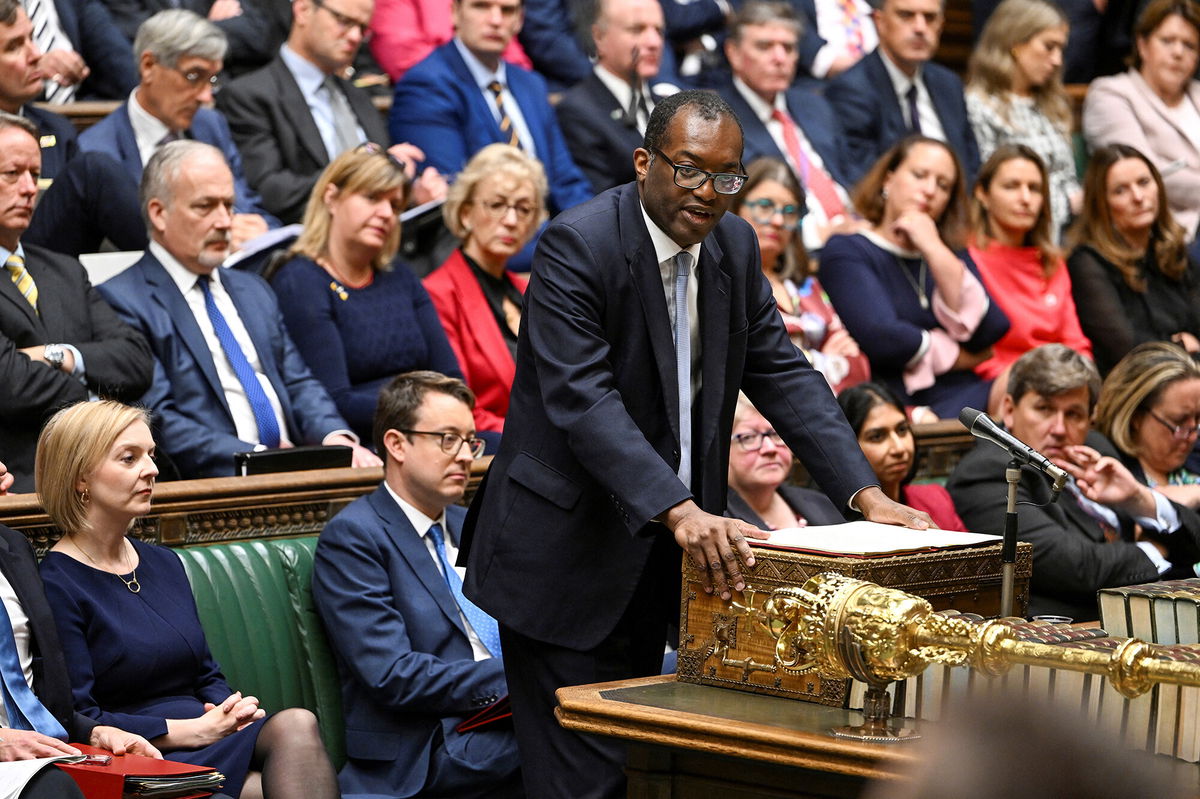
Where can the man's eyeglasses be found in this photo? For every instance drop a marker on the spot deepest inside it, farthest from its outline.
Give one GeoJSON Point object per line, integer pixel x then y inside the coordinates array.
{"type": "Point", "coordinates": [496, 209]}
{"type": "Point", "coordinates": [451, 443]}
{"type": "Point", "coordinates": [1177, 430]}
{"type": "Point", "coordinates": [752, 442]}
{"type": "Point", "coordinates": [197, 77]}
{"type": "Point", "coordinates": [345, 23]}
{"type": "Point", "coordinates": [763, 211]}
{"type": "Point", "coordinates": [690, 177]}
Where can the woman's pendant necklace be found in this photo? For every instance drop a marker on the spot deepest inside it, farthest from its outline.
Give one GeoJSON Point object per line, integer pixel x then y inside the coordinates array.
{"type": "Point", "coordinates": [132, 583]}
{"type": "Point", "coordinates": [918, 282]}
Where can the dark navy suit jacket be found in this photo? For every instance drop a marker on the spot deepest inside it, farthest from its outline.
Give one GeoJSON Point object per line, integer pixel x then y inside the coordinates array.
{"type": "Point", "coordinates": [591, 441]}
{"type": "Point", "coordinates": [186, 398]}
{"type": "Point", "coordinates": [114, 135]}
{"type": "Point", "coordinates": [57, 138]}
{"type": "Point", "coordinates": [869, 112]}
{"type": "Point", "coordinates": [812, 114]}
{"type": "Point", "coordinates": [106, 51]}
{"type": "Point", "coordinates": [439, 108]}
{"type": "Point", "coordinates": [408, 672]}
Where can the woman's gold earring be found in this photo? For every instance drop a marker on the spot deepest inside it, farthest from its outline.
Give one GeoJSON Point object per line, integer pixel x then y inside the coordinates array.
{"type": "Point", "coordinates": [85, 496]}
{"type": "Point", "coordinates": [883, 193]}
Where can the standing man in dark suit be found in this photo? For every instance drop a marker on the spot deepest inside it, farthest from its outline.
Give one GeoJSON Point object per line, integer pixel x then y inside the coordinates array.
{"type": "Point", "coordinates": [60, 343]}
{"type": "Point", "coordinates": [462, 97]}
{"type": "Point", "coordinates": [603, 118]}
{"type": "Point", "coordinates": [789, 123]}
{"type": "Point", "coordinates": [1106, 529]}
{"type": "Point", "coordinates": [898, 90]}
{"type": "Point", "coordinates": [415, 658]}
{"type": "Point", "coordinates": [286, 120]}
{"type": "Point", "coordinates": [227, 378]}
{"type": "Point", "coordinates": [607, 469]}
{"type": "Point", "coordinates": [179, 58]}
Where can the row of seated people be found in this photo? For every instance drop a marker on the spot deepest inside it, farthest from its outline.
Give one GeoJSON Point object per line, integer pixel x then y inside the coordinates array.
{"type": "Point", "coordinates": [1127, 516]}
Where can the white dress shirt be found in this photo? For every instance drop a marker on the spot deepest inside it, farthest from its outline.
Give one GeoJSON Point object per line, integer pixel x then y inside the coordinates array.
{"type": "Point", "coordinates": [421, 523]}
{"type": "Point", "coordinates": [931, 125]}
{"type": "Point", "coordinates": [148, 130]}
{"type": "Point", "coordinates": [20, 627]}
{"type": "Point", "coordinates": [623, 92]}
{"type": "Point", "coordinates": [311, 81]}
{"type": "Point", "coordinates": [665, 250]}
{"type": "Point", "coordinates": [483, 76]}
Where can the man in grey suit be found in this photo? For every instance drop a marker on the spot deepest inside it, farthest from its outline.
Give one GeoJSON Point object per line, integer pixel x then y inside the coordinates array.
{"type": "Point", "coordinates": [60, 343]}
{"type": "Point", "coordinates": [296, 114]}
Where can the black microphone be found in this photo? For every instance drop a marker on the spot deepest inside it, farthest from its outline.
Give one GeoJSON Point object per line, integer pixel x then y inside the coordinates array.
{"type": "Point", "coordinates": [980, 425]}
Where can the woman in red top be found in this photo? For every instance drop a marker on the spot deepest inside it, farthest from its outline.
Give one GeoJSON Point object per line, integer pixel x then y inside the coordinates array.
{"type": "Point", "coordinates": [1012, 244]}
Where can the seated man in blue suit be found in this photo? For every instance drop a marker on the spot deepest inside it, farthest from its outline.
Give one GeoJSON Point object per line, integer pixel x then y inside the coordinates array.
{"type": "Point", "coordinates": [896, 90]}
{"type": "Point", "coordinates": [414, 656]}
{"type": "Point", "coordinates": [226, 376]}
{"type": "Point", "coordinates": [789, 123]}
{"type": "Point", "coordinates": [463, 97]}
{"type": "Point", "coordinates": [180, 56]}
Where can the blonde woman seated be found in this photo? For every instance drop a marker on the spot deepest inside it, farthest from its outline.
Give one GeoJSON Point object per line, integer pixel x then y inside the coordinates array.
{"type": "Point", "coordinates": [1015, 95]}
{"type": "Point", "coordinates": [128, 622]}
{"type": "Point", "coordinates": [1149, 408]}
{"type": "Point", "coordinates": [1024, 273]}
{"type": "Point", "coordinates": [759, 465]}
{"type": "Point", "coordinates": [495, 206]}
{"type": "Point", "coordinates": [773, 202]}
{"type": "Point", "coordinates": [358, 316]}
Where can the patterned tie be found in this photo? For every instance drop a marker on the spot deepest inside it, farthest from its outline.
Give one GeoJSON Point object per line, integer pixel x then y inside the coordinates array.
{"type": "Point", "coordinates": [484, 625]}
{"type": "Point", "coordinates": [852, 25]}
{"type": "Point", "coordinates": [48, 35]}
{"type": "Point", "coordinates": [264, 414]}
{"type": "Point", "coordinates": [22, 279]}
{"type": "Point", "coordinates": [506, 125]}
{"type": "Point", "coordinates": [683, 365]}
{"type": "Point", "coordinates": [816, 181]}
{"type": "Point", "coordinates": [914, 116]}
{"type": "Point", "coordinates": [25, 712]}
{"type": "Point", "coordinates": [345, 124]}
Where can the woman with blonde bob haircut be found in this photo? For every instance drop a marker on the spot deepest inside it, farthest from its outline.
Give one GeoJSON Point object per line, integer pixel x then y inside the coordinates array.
{"type": "Point", "coordinates": [496, 205]}
{"type": "Point", "coordinates": [1149, 408]}
{"type": "Point", "coordinates": [358, 317]}
{"type": "Point", "coordinates": [1015, 94]}
{"type": "Point", "coordinates": [131, 635]}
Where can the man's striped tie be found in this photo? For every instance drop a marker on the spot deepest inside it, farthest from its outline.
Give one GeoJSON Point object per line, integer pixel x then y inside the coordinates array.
{"type": "Point", "coordinates": [21, 277]}
{"type": "Point", "coordinates": [506, 125]}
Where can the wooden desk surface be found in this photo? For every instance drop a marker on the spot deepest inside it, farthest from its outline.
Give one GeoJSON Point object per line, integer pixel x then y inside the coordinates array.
{"type": "Point", "coordinates": [661, 711]}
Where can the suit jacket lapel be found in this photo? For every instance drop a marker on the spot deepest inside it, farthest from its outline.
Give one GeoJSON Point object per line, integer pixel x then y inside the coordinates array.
{"type": "Point", "coordinates": [296, 108]}
{"type": "Point", "coordinates": [531, 102]}
{"type": "Point", "coordinates": [647, 280]}
{"type": "Point", "coordinates": [366, 113]}
{"type": "Point", "coordinates": [127, 147]}
{"type": "Point", "coordinates": [411, 546]}
{"type": "Point", "coordinates": [166, 294]}
{"type": "Point", "coordinates": [482, 109]}
{"type": "Point", "coordinates": [714, 338]}
{"type": "Point", "coordinates": [10, 293]}
{"type": "Point", "coordinates": [891, 115]}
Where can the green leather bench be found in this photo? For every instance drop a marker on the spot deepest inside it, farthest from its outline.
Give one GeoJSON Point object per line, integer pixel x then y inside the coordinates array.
{"type": "Point", "coordinates": [256, 607]}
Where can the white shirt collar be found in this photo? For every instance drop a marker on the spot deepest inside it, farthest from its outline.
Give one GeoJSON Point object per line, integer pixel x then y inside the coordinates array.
{"type": "Point", "coordinates": [900, 81]}
{"type": "Point", "coordinates": [482, 75]}
{"type": "Point", "coordinates": [308, 75]}
{"type": "Point", "coordinates": [148, 130]}
{"type": "Point", "coordinates": [761, 108]}
{"type": "Point", "coordinates": [665, 247]}
{"type": "Point", "coordinates": [184, 278]}
{"type": "Point", "coordinates": [420, 522]}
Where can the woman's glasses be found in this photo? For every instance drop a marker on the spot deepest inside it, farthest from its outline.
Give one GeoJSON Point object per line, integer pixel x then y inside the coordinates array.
{"type": "Point", "coordinates": [763, 211]}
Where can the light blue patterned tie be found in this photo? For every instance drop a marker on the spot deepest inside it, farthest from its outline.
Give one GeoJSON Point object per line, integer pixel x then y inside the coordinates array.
{"type": "Point", "coordinates": [264, 414]}
{"type": "Point", "coordinates": [683, 365]}
{"type": "Point", "coordinates": [484, 625]}
{"type": "Point", "coordinates": [25, 712]}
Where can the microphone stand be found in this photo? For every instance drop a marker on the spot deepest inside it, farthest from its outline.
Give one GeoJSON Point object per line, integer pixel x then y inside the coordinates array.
{"type": "Point", "coordinates": [1008, 551]}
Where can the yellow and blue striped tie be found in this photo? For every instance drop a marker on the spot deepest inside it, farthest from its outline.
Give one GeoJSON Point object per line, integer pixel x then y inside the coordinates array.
{"type": "Point", "coordinates": [505, 121]}
{"type": "Point", "coordinates": [21, 277]}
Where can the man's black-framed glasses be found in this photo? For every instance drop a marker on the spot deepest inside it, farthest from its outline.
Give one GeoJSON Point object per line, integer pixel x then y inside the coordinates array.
{"type": "Point", "coordinates": [690, 177]}
{"type": "Point", "coordinates": [451, 443]}
{"type": "Point", "coordinates": [345, 23]}
{"type": "Point", "coordinates": [1180, 431]}
{"type": "Point", "coordinates": [752, 442]}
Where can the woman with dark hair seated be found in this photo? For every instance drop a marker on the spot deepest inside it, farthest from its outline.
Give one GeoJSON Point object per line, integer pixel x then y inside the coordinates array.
{"type": "Point", "coordinates": [134, 647]}
{"type": "Point", "coordinates": [759, 464]}
{"type": "Point", "coordinates": [773, 202]}
{"type": "Point", "coordinates": [1149, 408]}
{"type": "Point", "coordinates": [908, 294]}
{"type": "Point", "coordinates": [1130, 272]}
{"type": "Point", "coordinates": [358, 316]}
{"type": "Point", "coordinates": [877, 416]}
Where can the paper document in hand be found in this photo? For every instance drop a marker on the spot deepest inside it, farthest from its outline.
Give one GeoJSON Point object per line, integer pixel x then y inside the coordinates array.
{"type": "Point", "coordinates": [16, 774]}
{"type": "Point", "coordinates": [870, 539]}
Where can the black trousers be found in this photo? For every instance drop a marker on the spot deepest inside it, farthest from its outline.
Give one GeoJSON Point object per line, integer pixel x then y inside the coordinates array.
{"type": "Point", "coordinates": [51, 783]}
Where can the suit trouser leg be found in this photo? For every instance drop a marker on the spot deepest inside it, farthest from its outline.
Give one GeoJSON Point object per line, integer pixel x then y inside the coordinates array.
{"type": "Point", "coordinates": [562, 764]}
{"type": "Point", "coordinates": [51, 783]}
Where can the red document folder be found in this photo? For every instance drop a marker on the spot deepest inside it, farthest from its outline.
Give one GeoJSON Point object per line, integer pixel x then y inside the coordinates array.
{"type": "Point", "coordinates": [495, 712]}
{"type": "Point", "coordinates": [108, 782]}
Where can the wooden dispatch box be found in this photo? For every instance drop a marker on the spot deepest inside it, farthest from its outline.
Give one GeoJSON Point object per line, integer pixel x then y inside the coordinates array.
{"type": "Point", "coordinates": [719, 644]}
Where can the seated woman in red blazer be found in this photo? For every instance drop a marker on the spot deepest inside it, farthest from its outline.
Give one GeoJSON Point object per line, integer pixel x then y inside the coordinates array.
{"type": "Point", "coordinates": [495, 206]}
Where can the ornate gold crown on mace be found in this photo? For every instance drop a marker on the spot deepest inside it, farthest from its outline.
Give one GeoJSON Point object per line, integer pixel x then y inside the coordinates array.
{"type": "Point", "coordinates": [842, 627]}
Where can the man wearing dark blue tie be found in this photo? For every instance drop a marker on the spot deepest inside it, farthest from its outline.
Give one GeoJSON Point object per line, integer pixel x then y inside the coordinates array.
{"type": "Point", "coordinates": [415, 656]}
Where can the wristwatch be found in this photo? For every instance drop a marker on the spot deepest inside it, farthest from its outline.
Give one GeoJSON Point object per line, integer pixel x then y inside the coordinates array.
{"type": "Point", "coordinates": [54, 354]}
